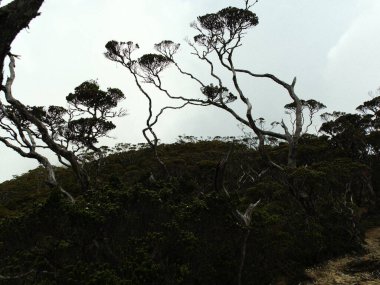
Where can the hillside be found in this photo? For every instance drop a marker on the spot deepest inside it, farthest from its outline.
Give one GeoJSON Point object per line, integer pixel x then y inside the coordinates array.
{"type": "Point", "coordinates": [139, 226]}
{"type": "Point", "coordinates": [363, 269]}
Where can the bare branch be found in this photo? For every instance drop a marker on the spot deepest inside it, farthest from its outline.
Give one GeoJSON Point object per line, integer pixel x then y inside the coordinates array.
{"type": "Point", "coordinates": [43, 131]}
{"type": "Point", "coordinates": [248, 5]}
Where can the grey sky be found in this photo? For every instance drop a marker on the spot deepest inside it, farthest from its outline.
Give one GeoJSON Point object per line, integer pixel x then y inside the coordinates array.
{"type": "Point", "coordinates": [332, 46]}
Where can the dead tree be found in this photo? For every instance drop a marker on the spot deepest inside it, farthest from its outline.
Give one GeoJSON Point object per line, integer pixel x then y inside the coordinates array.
{"type": "Point", "coordinates": [243, 219]}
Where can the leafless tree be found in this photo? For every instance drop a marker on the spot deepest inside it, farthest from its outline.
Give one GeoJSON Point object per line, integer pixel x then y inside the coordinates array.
{"type": "Point", "coordinates": [244, 219]}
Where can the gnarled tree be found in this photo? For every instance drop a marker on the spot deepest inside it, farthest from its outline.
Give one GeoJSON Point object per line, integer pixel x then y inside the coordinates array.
{"type": "Point", "coordinates": [69, 133]}
{"type": "Point", "coordinates": [219, 34]}
{"type": "Point", "coordinates": [14, 17]}
{"type": "Point", "coordinates": [63, 131]}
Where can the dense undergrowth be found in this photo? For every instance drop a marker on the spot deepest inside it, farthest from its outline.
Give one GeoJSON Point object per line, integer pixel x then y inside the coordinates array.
{"type": "Point", "coordinates": [138, 226]}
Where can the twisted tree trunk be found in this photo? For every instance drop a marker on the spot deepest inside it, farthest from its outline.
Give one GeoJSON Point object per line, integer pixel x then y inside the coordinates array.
{"type": "Point", "coordinates": [14, 17]}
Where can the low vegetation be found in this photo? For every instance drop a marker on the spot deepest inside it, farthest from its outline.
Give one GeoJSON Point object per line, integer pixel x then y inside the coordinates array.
{"type": "Point", "coordinates": [137, 226]}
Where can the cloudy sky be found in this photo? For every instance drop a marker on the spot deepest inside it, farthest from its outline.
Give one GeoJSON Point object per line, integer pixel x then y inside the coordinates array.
{"type": "Point", "coordinates": [332, 46]}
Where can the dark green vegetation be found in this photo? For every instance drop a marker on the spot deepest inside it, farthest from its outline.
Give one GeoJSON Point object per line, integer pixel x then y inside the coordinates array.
{"type": "Point", "coordinates": [136, 228]}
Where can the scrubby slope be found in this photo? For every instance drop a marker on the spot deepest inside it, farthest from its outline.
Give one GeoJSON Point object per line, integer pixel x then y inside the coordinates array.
{"type": "Point", "coordinates": [137, 226]}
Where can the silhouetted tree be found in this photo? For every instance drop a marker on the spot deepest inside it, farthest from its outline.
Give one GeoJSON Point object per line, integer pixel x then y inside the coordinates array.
{"type": "Point", "coordinates": [219, 34]}
{"type": "Point", "coordinates": [69, 133]}
{"type": "Point", "coordinates": [27, 129]}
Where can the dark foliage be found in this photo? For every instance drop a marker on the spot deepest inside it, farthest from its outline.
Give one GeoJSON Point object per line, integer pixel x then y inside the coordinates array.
{"type": "Point", "coordinates": [215, 93]}
{"type": "Point", "coordinates": [230, 18]}
{"type": "Point", "coordinates": [135, 229]}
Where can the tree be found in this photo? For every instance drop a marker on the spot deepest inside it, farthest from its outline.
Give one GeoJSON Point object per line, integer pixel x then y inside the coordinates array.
{"type": "Point", "coordinates": [69, 133]}
{"type": "Point", "coordinates": [219, 34]}
{"type": "Point", "coordinates": [64, 131]}
{"type": "Point", "coordinates": [356, 134]}
{"type": "Point", "coordinates": [89, 113]}
{"type": "Point", "coordinates": [357, 137]}
{"type": "Point", "coordinates": [15, 17]}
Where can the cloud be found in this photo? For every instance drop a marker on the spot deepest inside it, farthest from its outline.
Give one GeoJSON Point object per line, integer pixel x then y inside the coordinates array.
{"type": "Point", "coordinates": [353, 62]}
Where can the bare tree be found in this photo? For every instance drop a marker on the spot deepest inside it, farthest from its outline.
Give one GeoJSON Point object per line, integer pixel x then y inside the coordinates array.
{"type": "Point", "coordinates": [220, 34]}
{"type": "Point", "coordinates": [244, 219]}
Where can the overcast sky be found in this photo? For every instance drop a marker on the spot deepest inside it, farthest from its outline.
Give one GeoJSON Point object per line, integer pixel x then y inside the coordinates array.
{"type": "Point", "coordinates": [332, 46]}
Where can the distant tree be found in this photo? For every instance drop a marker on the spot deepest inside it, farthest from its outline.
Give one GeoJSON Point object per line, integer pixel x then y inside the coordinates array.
{"type": "Point", "coordinates": [372, 108]}
{"type": "Point", "coordinates": [218, 34]}
{"type": "Point", "coordinates": [357, 136]}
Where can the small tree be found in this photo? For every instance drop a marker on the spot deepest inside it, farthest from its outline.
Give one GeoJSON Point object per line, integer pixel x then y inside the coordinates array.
{"type": "Point", "coordinates": [67, 132]}
{"type": "Point", "coordinates": [89, 113]}
{"type": "Point", "coordinates": [219, 34]}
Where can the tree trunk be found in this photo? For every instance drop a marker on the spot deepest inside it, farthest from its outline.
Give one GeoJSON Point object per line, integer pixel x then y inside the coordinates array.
{"type": "Point", "coordinates": [243, 254]}
{"type": "Point", "coordinates": [13, 18]}
{"type": "Point", "coordinates": [292, 154]}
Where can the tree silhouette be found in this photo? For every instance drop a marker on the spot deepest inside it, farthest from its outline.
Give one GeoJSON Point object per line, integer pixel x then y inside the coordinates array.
{"type": "Point", "coordinates": [219, 34]}
{"type": "Point", "coordinates": [67, 132]}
